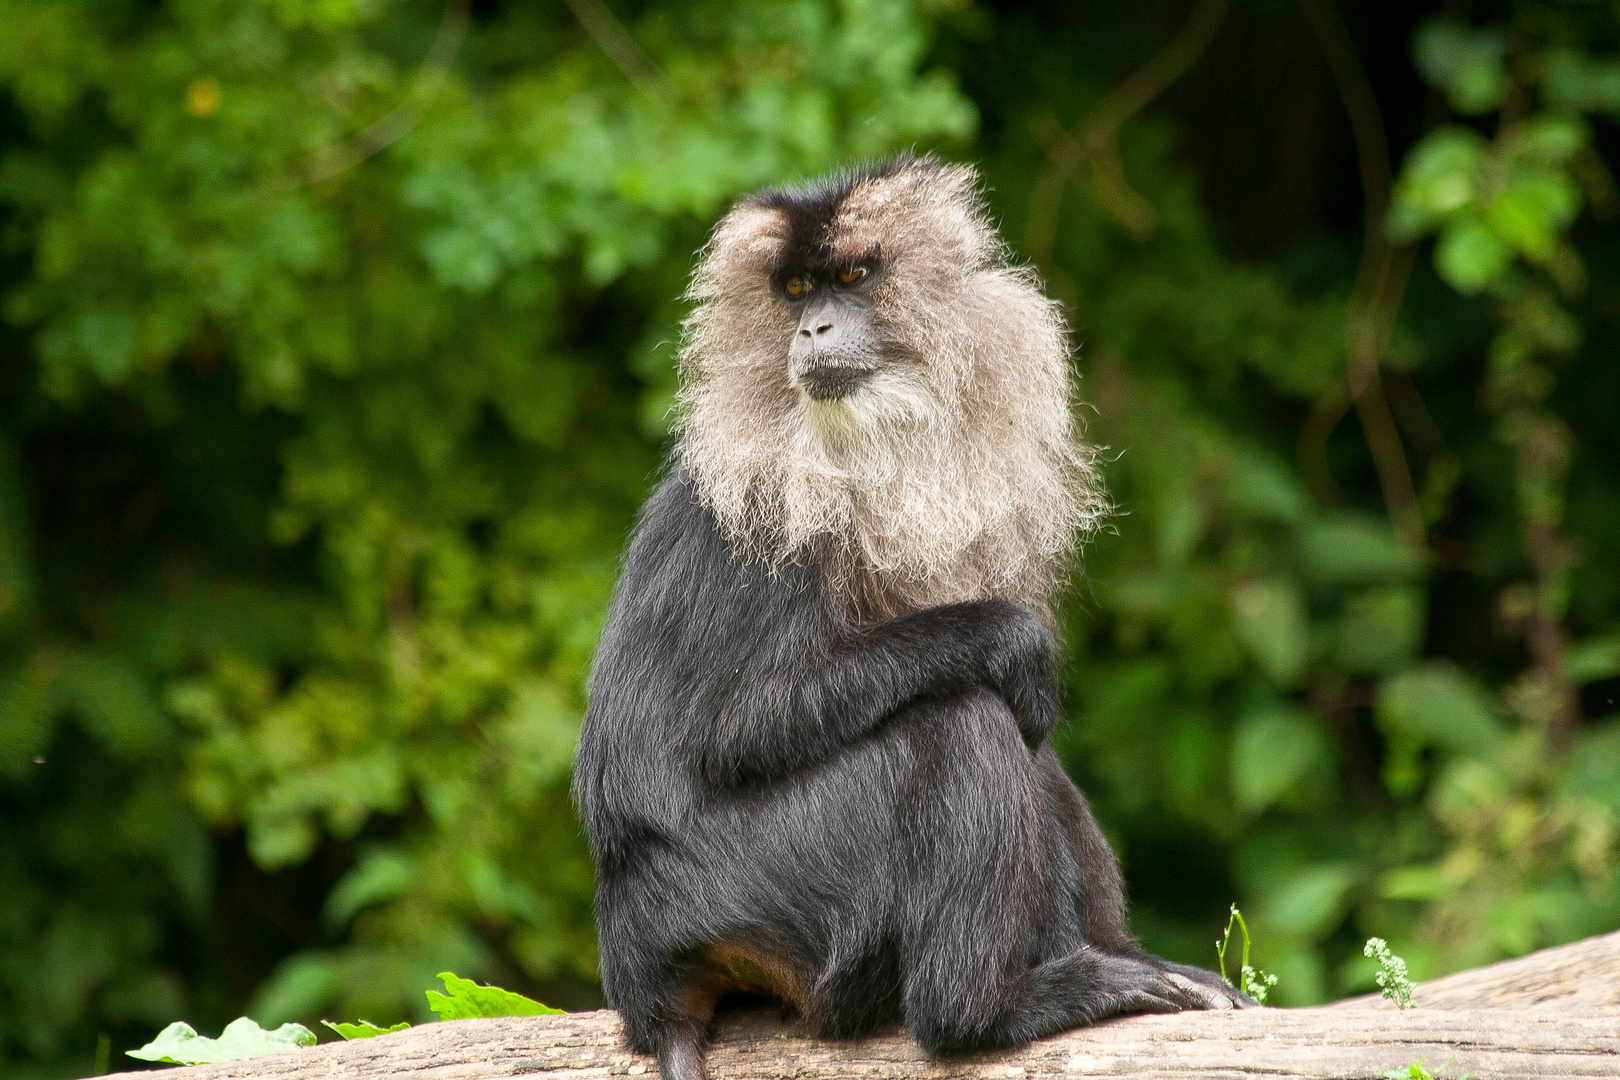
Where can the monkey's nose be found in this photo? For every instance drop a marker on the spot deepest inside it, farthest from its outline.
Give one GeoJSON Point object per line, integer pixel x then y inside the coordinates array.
{"type": "Point", "coordinates": [821, 328]}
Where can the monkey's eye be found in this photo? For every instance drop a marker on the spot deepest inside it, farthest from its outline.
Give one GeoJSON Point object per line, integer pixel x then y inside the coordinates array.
{"type": "Point", "coordinates": [797, 286]}
{"type": "Point", "coordinates": [849, 275]}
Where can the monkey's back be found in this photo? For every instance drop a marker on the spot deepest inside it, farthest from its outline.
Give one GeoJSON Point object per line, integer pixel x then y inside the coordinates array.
{"type": "Point", "coordinates": [694, 859]}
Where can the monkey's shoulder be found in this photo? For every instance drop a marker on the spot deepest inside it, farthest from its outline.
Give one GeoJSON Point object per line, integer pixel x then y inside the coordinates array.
{"type": "Point", "coordinates": [689, 612]}
{"type": "Point", "coordinates": [680, 556]}
{"type": "Point", "coordinates": [674, 519]}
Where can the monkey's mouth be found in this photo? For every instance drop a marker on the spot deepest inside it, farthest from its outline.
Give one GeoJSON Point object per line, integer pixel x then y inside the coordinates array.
{"type": "Point", "coordinates": [831, 382]}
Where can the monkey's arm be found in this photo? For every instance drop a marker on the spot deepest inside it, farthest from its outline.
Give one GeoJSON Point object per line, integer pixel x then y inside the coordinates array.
{"type": "Point", "coordinates": [790, 706]}
{"type": "Point", "coordinates": [758, 674]}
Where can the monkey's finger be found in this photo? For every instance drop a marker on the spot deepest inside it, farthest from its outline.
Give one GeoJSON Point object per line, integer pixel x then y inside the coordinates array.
{"type": "Point", "coordinates": [1145, 1001]}
{"type": "Point", "coordinates": [1203, 997]}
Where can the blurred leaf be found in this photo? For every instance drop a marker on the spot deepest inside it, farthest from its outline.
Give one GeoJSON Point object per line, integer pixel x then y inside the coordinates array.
{"type": "Point", "coordinates": [1266, 489]}
{"type": "Point", "coordinates": [301, 985]}
{"type": "Point", "coordinates": [1593, 659]}
{"type": "Point", "coordinates": [1467, 62]}
{"type": "Point", "coordinates": [1548, 139]}
{"type": "Point", "coordinates": [1414, 883]}
{"type": "Point", "coordinates": [380, 875]}
{"type": "Point", "coordinates": [364, 1029]}
{"type": "Point", "coordinates": [1439, 706]}
{"type": "Point", "coordinates": [1301, 978]}
{"type": "Point", "coordinates": [1274, 749]}
{"type": "Point", "coordinates": [179, 1044]}
{"type": "Point", "coordinates": [1576, 80]}
{"type": "Point", "coordinates": [1179, 528]}
{"type": "Point", "coordinates": [1307, 901]}
{"type": "Point", "coordinates": [1271, 622]}
{"type": "Point", "coordinates": [1471, 254]}
{"type": "Point", "coordinates": [25, 705]}
{"type": "Point", "coordinates": [1348, 550]}
{"type": "Point", "coordinates": [1532, 210]}
{"type": "Point", "coordinates": [1382, 630]}
{"type": "Point", "coordinates": [115, 703]}
{"type": "Point", "coordinates": [1594, 767]}
{"type": "Point", "coordinates": [1439, 178]}
{"type": "Point", "coordinates": [465, 999]}
{"type": "Point", "coordinates": [1471, 791]}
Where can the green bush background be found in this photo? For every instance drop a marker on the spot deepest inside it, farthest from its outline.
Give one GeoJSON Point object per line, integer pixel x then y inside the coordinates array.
{"type": "Point", "coordinates": [331, 378]}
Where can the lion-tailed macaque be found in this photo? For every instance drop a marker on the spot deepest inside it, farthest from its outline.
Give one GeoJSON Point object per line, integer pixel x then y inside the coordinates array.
{"type": "Point", "coordinates": [815, 763]}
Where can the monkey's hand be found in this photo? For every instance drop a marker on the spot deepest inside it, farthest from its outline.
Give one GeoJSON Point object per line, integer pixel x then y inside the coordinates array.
{"type": "Point", "coordinates": [1022, 671]}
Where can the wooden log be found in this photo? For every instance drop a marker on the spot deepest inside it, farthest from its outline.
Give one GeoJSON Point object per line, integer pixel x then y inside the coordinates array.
{"type": "Point", "coordinates": [1553, 1014]}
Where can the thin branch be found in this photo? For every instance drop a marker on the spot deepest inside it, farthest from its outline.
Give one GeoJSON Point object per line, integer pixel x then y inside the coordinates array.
{"type": "Point", "coordinates": [1311, 451]}
{"type": "Point", "coordinates": [1389, 461]}
{"type": "Point", "coordinates": [1419, 424]}
{"type": "Point", "coordinates": [1366, 121]}
{"type": "Point", "coordinates": [1381, 277]}
{"type": "Point", "coordinates": [395, 125]}
{"type": "Point", "coordinates": [1098, 139]}
{"type": "Point", "coordinates": [1367, 329]}
{"type": "Point", "coordinates": [623, 50]}
{"type": "Point", "coordinates": [1129, 98]}
{"type": "Point", "coordinates": [1046, 191]}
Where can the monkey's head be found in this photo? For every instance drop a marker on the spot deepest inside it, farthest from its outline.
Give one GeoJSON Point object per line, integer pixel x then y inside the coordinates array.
{"type": "Point", "coordinates": [866, 375]}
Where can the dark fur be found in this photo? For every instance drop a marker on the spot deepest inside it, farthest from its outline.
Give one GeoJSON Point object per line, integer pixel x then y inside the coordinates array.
{"type": "Point", "coordinates": [810, 211]}
{"type": "Point", "coordinates": [865, 821]}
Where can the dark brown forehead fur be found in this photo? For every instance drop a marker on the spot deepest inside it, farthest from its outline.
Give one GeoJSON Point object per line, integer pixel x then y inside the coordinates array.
{"type": "Point", "coordinates": [810, 210]}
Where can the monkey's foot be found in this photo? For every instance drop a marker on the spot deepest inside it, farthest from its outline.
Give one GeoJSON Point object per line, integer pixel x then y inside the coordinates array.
{"type": "Point", "coordinates": [1206, 989]}
{"type": "Point", "coordinates": [1127, 984]}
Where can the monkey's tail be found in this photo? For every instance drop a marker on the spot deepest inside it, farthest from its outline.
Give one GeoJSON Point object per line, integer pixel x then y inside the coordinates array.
{"type": "Point", "coordinates": [680, 1052]}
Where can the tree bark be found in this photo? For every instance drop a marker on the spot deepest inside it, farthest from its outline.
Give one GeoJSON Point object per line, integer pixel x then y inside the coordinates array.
{"type": "Point", "coordinates": [1553, 1014]}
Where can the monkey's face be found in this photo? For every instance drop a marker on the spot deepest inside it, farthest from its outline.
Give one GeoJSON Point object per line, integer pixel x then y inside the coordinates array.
{"type": "Point", "coordinates": [861, 304]}
{"type": "Point", "coordinates": [837, 344]}
{"type": "Point", "coordinates": [851, 368]}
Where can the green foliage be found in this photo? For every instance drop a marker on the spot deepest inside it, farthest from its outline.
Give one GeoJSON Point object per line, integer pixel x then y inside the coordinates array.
{"type": "Point", "coordinates": [364, 1029]}
{"type": "Point", "coordinates": [179, 1043]}
{"type": "Point", "coordinates": [1467, 62]}
{"type": "Point", "coordinates": [385, 433]}
{"type": "Point", "coordinates": [1493, 202]}
{"type": "Point", "coordinates": [465, 999]}
{"type": "Point", "coordinates": [1356, 722]}
{"type": "Point", "coordinates": [1392, 978]}
{"type": "Point", "coordinates": [1254, 982]}
{"type": "Point", "coordinates": [1416, 1071]}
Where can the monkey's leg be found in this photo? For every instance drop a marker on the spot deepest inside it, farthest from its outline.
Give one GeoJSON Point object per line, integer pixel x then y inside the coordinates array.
{"type": "Point", "coordinates": [1100, 901]}
{"type": "Point", "coordinates": [654, 970]}
{"type": "Point", "coordinates": [1101, 893]}
{"type": "Point", "coordinates": [992, 952]}
{"type": "Point", "coordinates": [786, 891]}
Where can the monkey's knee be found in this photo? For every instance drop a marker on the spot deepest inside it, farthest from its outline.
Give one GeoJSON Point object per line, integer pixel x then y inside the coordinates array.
{"type": "Point", "coordinates": [973, 733]}
{"type": "Point", "coordinates": [973, 786]}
